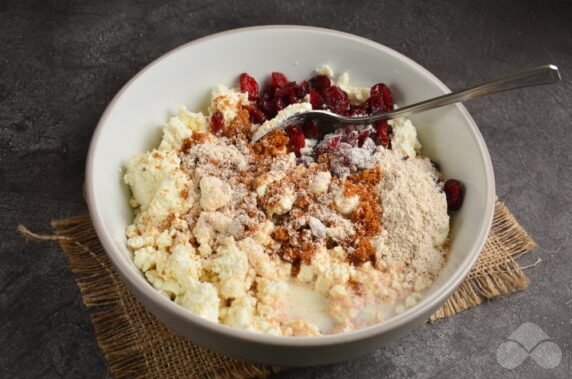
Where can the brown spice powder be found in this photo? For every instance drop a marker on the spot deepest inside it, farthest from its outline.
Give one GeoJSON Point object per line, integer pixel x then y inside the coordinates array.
{"type": "Point", "coordinates": [273, 195]}
{"type": "Point", "coordinates": [273, 144]}
{"type": "Point", "coordinates": [357, 287]}
{"type": "Point", "coordinates": [166, 224]}
{"type": "Point", "coordinates": [195, 138]}
{"type": "Point", "coordinates": [367, 216]}
{"type": "Point", "coordinates": [296, 239]}
{"type": "Point", "coordinates": [363, 252]}
{"type": "Point", "coordinates": [240, 126]}
{"type": "Point", "coordinates": [280, 234]}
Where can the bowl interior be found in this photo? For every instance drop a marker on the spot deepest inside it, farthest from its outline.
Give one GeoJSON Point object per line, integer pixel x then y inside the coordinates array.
{"type": "Point", "coordinates": [132, 123]}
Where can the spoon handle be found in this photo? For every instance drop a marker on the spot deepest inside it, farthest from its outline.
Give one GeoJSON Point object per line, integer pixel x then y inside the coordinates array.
{"type": "Point", "coordinates": [546, 74]}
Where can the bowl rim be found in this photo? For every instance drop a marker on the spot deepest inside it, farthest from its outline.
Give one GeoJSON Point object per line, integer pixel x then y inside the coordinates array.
{"type": "Point", "coordinates": [437, 298]}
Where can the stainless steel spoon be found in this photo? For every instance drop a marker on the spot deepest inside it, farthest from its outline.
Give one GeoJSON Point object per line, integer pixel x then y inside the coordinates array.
{"type": "Point", "coordinates": [546, 74]}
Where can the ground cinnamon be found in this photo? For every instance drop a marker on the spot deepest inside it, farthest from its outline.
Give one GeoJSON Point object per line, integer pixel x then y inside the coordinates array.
{"type": "Point", "coordinates": [196, 138]}
{"type": "Point", "coordinates": [273, 144]}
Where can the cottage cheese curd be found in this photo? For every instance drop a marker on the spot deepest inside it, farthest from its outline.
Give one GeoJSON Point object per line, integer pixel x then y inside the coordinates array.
{"type": "Point", "coordinates": [251, 236]}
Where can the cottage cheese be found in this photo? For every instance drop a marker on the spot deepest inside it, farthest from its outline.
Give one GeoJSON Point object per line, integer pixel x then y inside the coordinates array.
{"type": "Point", "coordinates": [356, 94]}
{"type": "Point", "coordinates": [227, 101]}
{"type": "Point", "coordinates": [181, 127]}
{"type": "Point", "coordinates": [214, 193]}
{"type": "Point", "coordinates": [320, 182]}
{"type": "Point", "coordinates": [404, 138]}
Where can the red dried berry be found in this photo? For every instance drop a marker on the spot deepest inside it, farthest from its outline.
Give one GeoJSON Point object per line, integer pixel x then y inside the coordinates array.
{"type": "Point", "coordinates": [316, 100]}
{"type": "Point", "coordinates": [279, 104]}
{"type": "Point", "coordinates": [249, 85]}
{"type": "Point", "coordinates": [455, 192]}
{"type": "Point", "coordinates": [320, 82]}
{"type": "Point", "coordinates": [380, 98]}
{"type": "Point", "coordinates": [381, 89]}
{"type": "Point", "coordinates": [362, 137]}
{"type": "Point", "coordinates": [256, 115]}
{"type": "Point", "coordinates": [358, 110]}
{"type": "Point", "coordinates": [336, 100]}
{"type": "Point", "coordinates": [278, 80]}
{"type": "Point", "coordinates": [328, 144]}
{"type": "Point", "coordinates": [302, 89]}
{"type": "Point", "coordinates": [351, 138]}
{"type": "Point", "coordinates": [217, 122]}
{"type": "Point", "coordinates": [296, 139]}
{"type": "Point", "coordinates": [291, 99]}
{"type": "Point", "coordinates": [375, 105]}
{"type": "Point", "coordinates": [268, 107]}
{"type": "Point", "coordinates": [267, 93]}
{"type": "Point", "coordinates": [311, 129]}
{"type": "Point", "coordinates": [288, 93]}
{"type": "Point", "coordinates": [382, 134]}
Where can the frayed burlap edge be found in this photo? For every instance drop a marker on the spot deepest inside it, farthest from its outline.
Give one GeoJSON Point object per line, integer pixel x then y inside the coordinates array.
{"type": "Point", "coordinates": [137, 345]}
{"type": "Point", "coordinates": [496, 272]}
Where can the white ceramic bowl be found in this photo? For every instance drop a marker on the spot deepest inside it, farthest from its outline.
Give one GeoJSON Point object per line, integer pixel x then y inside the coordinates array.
{"type": "Point", "coordinates": [132, 124]}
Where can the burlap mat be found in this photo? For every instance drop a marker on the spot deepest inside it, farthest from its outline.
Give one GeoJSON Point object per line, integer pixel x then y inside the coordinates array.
{"type": "Point", "coordinates": [138, 345]}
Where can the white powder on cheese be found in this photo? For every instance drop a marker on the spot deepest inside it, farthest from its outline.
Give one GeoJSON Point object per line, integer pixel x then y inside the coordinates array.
{"type": "Point", "coordinates": [414, 214]}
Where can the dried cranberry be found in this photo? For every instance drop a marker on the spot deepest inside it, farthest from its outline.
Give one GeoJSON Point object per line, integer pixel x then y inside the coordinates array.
{"type": "Point", "coordinates": [267, 93]}
{"type": "Point", "coordinates": [362, 137]}
{"type": "Point", "coordinates": [296, 139]}
{"type": "Point", "coordinates": [279, 104]}
{"type": "Point", "coordinates": [336, 100]}
{"type": "Point", "coordinates": [249, 85]}
{"type": "Point", "coordinates": [455, 192]}
{"type": "Point", "coordinates": [382, 131]}
{"type": "Point", "coordinates": [316, 99]}
{"type": "Point", "coordinates": [256, 115]}
{"type": "Point", "coordinates": [288, 93]}
{"type": "Point", "coordinates": [381, 89]}
{"type": "Point", "coordinates": [285, 91]}
{"type": "Point", "coordinates": [351, 138]}
{"type": "Point", "coordinates": [328, 144]}
{"type": "Point", "coordinates": [320, 82]}
{"type": "Point", "coordinates": [302, 89]}
{"type": "Point", "coordinates": [358, 110]}
{"type": "Point", "coordinates": [268, 106]}
{"type": "Point", "coordinates": [278, 80]}
{"type": "Point", "coordinates": [292, 99]}
{"type": "Point", "coordinates": [381, 99]}
{"type": "Point", "coordinates": [217, 122]}
{"type": "Point", "coordinates": [311, 129]}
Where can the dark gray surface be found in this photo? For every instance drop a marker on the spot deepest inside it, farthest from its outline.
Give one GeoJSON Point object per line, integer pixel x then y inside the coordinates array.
{"type": "Point", "coordinates": [61, 62]}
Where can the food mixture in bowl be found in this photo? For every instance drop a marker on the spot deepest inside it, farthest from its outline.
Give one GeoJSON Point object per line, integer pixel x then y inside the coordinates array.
{"type": "Point", "coordinates": [309, 231]}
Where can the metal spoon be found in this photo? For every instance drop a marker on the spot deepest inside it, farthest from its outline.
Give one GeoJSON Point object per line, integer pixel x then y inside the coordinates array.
{"type": "Point", "coordinates": [546, 74]}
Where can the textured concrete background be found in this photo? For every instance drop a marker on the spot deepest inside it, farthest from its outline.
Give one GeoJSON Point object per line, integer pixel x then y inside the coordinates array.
{"type": "Point", "coordinates": [62, 61]}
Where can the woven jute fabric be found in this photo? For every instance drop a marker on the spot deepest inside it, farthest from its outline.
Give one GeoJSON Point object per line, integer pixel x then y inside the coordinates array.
{"type": "Point", "coordinates": [136, 344]}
